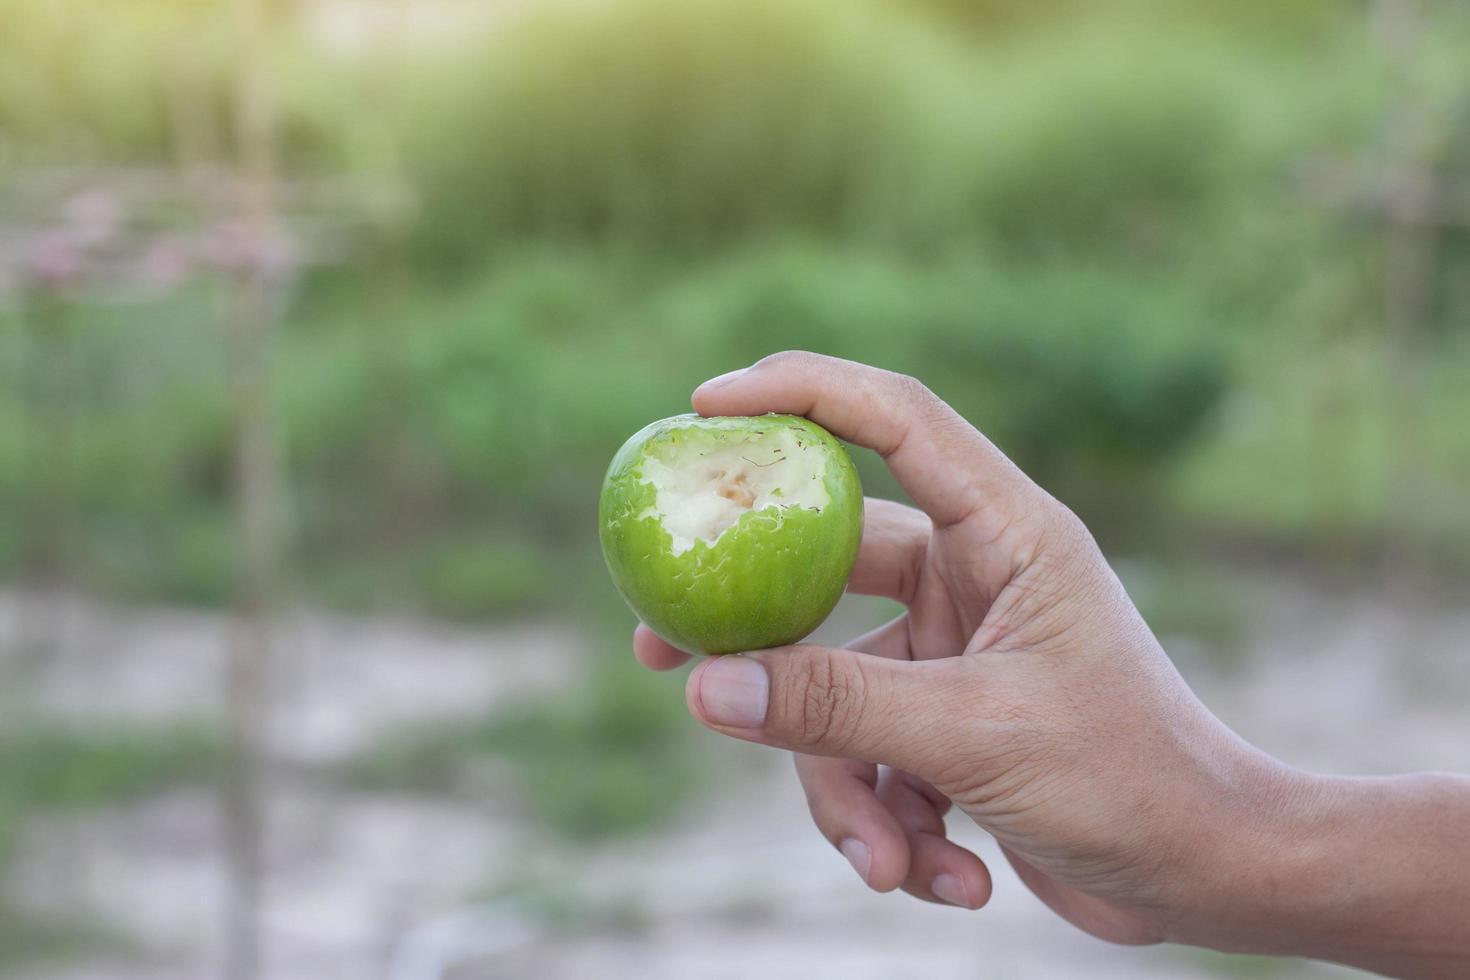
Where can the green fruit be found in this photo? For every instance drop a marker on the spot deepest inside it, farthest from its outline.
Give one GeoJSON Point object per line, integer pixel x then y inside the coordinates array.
{"type": "Point", "coordinates": [729, 534]}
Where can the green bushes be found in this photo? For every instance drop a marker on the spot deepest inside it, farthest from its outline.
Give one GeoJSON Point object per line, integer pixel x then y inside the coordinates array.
{"type": "Point", "coordinates": [447, 453]}
{"type": "Point", "coordinates": [71, 75]}
{"type": "Point", "coordinates": [694, 122]}
{"type": "Point", "coordinates": [510, 399]}
{"type": "Point", "coordinates": [1298, 21]}
{"type": "Point", "coordinates": [708, 122]}
{"type": "Point", "coordinates": [1078, 224]}
{"type": "Point", "coordinates": [86, 84]}
{"type": "Point", "coordinates": [1083, 152]}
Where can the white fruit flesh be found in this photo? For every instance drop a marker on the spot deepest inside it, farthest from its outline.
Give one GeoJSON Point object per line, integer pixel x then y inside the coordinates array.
{"type": "Point", "coordinates": [703, 488]}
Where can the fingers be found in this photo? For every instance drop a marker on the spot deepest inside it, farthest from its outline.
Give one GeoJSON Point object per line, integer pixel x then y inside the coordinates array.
{"type": "Point", "coordinates": [840, 794]}
{"type": "Point", "coordinates": [891, 830]}
{"type": "Point", "coordinates": [653, 653]}
{"type": "Point", "coordinates": [948, 468]}
{"type": "Point", "coordinates": [836, 702]}
{"type": "Point", "coordinates": [939, 869]}
{"type": "Point", "coordinates": [895, 540]}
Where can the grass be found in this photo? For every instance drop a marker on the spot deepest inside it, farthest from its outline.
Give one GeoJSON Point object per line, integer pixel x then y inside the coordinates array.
{"type": "Point", "coordinates": [64, 769]}
{"type": "Point", "coordinates": [26, 941]}
{"type": "Point", "coordinates": [608, 759]}
{"type": "Point", "coordinates": [50, 768]}
{"type": "Point", "coordinates": [1240, 966]}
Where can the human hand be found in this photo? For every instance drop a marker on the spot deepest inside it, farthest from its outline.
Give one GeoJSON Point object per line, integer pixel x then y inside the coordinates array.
{"type": "Point", "coordinates": [1021, 685]}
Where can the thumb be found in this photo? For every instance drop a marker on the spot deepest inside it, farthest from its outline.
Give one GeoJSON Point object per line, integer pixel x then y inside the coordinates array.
{"type": "Point", "coordinates": [823, 701]}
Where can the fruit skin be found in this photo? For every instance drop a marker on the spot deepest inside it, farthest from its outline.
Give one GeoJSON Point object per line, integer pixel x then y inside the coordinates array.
{"type": "Point", "coordinates": [768, 581]}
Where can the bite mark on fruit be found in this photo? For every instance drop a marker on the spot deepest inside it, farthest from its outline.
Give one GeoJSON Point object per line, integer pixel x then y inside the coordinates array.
{"type": "Point", "coordinates": [700, 493]}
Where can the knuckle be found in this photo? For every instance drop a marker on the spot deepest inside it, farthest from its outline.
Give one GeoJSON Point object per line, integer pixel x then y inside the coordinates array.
{"type": "Point", "coordinates": [786, 358]}
{"type": "Point", "coordinates": [926, 409]}
{"type": "Point", "coordinates": [915, 392]}
{"type": "Point", "coordinates": [825, 701]}
{"type": "Point", "coordinates": [908, 571]}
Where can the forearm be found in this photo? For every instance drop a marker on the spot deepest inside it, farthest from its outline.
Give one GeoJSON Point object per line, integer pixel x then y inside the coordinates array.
{"type": "Point", "coordinates": [1370, 872]}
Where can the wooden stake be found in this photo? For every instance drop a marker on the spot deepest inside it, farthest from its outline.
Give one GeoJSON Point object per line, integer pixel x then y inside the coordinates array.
{"type": "Point", "coordinates": [252, 315]}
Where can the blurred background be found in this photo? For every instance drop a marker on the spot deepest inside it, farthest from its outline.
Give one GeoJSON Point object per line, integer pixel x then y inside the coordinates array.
{"type": "Point", "coordinates": [320, 320]}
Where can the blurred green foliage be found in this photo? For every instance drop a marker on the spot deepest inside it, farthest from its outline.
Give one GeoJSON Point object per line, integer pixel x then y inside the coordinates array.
{"type": "Point", "coordinates": [1299, 21]}
{"type": "Point", "coordinates": [84, 85]}
{"type": "Point", "coordinates": [1236, 965]}
{"type": "Point", "coordinates": [1195, 601]}
{"type": "Point", "coordinates": [609, 758]}
{"type": "Point", "coordinates": [27, 940]}
{"type": "Point", "coordinates": [1083, 224]}
{"type": "Point", "coordinates": [689, 122]}
{"type": "Point", "coordinates": [50, 768]}
{"type": "Point", "coordinates": [464, 468]}
{"type": "Point", "coordinates": [701, 123]}
{"type": "Point", "coordinates": [67, 769]}
{"type": "Point", "coordinates": [47, 769]}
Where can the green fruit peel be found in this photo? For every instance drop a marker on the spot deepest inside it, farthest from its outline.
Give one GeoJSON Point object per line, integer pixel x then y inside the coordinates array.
{"type": "Point", "coordinates": [730, 534]}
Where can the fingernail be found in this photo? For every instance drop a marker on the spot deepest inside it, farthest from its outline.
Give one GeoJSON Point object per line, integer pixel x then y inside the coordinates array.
{"type": "Point", "coordinates": [723, 379]}
{"type": "Point", "coordinates": [857, 855]}
{"type": "Point", "coordinates": [951, 889]}
{"type": "Point", "coordinates": [734, 691]}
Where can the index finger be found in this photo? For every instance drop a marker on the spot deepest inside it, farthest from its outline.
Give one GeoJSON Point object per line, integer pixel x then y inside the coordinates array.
{"type": "Point", "coordinates": [949, 469]}
{"type": "Point", "coordinates": [654, 652]}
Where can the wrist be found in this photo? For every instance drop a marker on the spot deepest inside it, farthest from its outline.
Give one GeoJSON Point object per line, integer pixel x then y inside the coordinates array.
{"type": "Point", "coordinates": [1367, 871]}
{"type": "Point", "coordinates": [1231, 870]}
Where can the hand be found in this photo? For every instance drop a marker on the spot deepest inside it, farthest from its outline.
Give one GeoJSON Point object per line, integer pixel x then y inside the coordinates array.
{"type": "Point", "coordinates": [1021, 686]}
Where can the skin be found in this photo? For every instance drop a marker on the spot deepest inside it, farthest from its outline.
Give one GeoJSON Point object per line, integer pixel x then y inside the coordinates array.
{"type": "Point", "coordinates": [1023, 687]}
